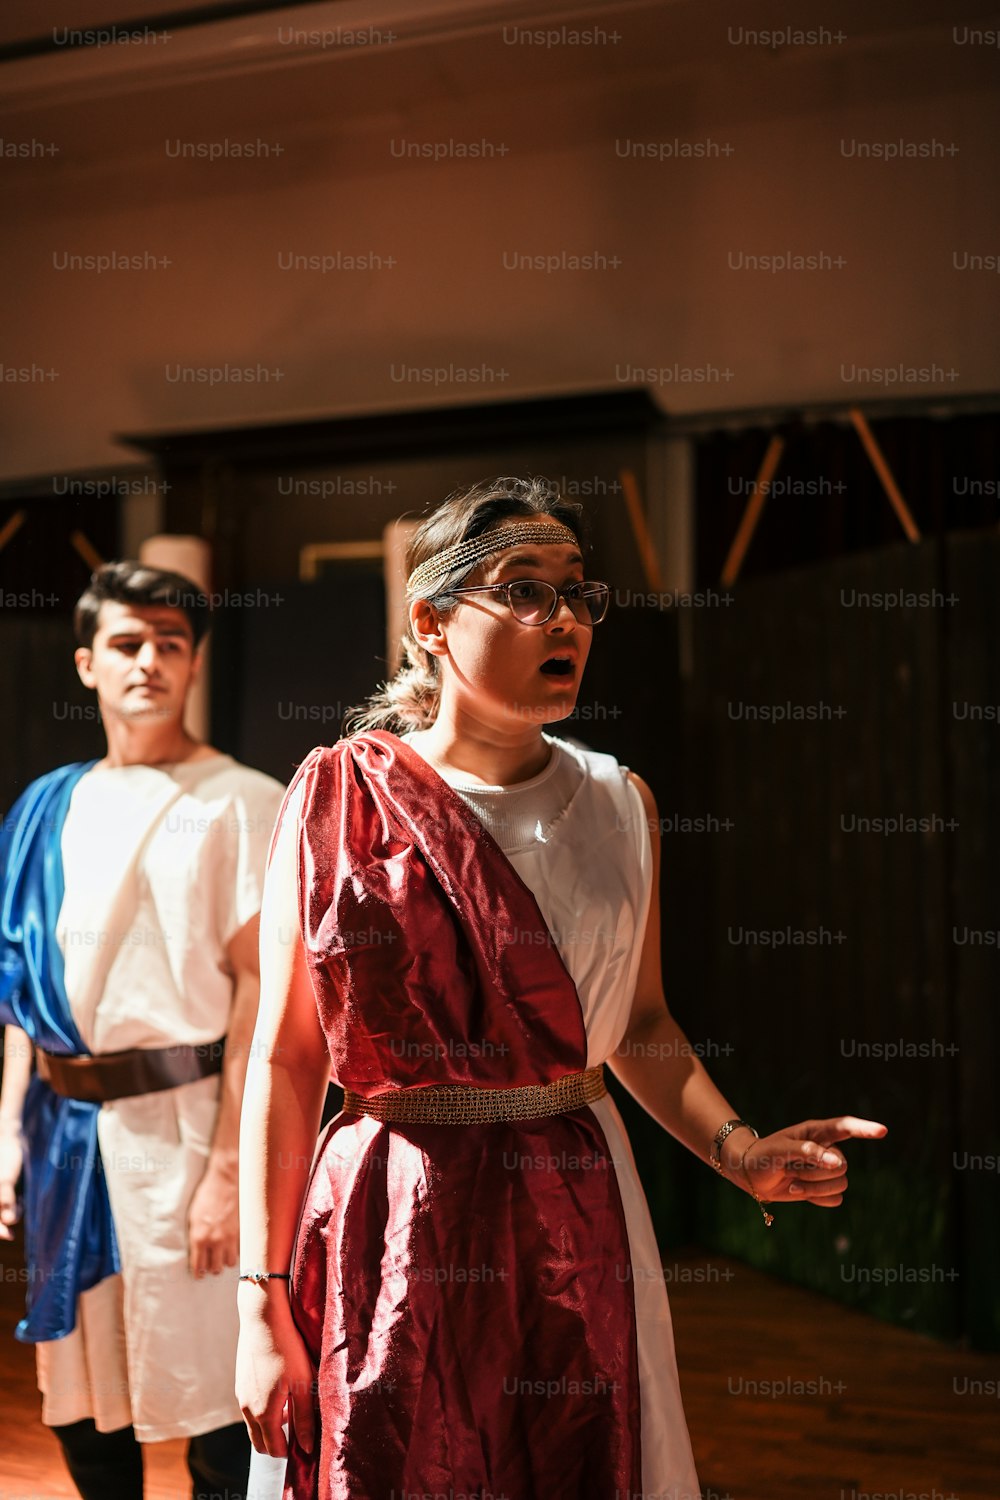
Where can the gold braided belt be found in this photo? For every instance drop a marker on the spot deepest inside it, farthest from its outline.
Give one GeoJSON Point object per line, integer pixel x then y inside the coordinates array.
{"type": "Point", "coordinates": [445, 1104]}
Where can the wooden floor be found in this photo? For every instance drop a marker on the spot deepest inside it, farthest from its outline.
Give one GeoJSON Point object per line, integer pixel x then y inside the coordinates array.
{"type": "Point", "coordinates": [788, 1397]}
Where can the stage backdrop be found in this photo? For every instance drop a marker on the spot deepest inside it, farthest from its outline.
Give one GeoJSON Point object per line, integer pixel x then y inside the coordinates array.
{"type": "Point", "coordinates": [841, 935]}
{"type": "Point", "coordinates": [820, 962]}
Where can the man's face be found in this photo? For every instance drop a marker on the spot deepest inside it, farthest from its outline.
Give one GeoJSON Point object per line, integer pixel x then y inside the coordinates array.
{"type": "Point", "coordinates": [142, 662]}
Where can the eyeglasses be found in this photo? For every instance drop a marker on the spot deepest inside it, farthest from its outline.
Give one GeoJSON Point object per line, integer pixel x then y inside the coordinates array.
{"type": "Point", "coordinates": [534, 602]}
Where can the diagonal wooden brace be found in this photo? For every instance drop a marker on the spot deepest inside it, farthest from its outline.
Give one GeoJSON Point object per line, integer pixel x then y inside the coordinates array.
{"type": "Point", "coordinates": [884, 473]}
{"type": "Point", "coordinates": [640, 530]}
{"type": "Point", "coordinates": [748, 523]}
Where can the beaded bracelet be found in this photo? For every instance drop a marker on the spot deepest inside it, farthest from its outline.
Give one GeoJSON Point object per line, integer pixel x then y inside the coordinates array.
{"type": "Point", "coordinates": [768, 1218]}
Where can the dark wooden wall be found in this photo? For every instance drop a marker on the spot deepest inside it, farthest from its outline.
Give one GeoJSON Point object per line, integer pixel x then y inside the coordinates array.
{"type": "Point", "coordinates": [827, 501]}
{"type": "Point", "coordinates": [870, 966]}
{"type": "Point", "coordinates": [972, 748]}
{"type": "Point", "coordinates": [51, 718]}
{"type": "Point", "coordinates": [284, 674]}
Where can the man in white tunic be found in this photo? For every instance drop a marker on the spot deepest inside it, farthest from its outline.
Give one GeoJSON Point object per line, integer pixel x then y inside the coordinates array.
{"type": "Point", "coordinates": [163, 845]}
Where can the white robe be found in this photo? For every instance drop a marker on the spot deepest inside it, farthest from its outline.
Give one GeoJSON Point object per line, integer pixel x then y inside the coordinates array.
{"type": "Point", "coordinates": [163, 865]}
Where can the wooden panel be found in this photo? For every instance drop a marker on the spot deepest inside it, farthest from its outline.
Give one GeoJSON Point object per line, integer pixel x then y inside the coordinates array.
{"type": "Point", "coordinates": [971, 711]}
{"type": "Point", "coordinates": [289, 664]}
{"type": "Point", "coordinates": [52, 717]}
{"type": "Point", "coordinates": [864, 963]}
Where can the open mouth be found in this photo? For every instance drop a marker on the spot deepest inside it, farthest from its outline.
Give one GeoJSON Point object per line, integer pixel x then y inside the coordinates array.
{"type": "Point", "coordinates": [558, 666]}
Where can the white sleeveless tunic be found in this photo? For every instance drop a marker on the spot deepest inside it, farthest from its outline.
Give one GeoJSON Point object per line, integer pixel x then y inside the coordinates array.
{"type": "Point", "coordinates": [577, 836]}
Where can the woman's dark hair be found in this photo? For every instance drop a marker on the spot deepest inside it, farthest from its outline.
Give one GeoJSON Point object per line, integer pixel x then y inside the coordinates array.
{"type": "Point", "coordinates": [133, 582]}
{"type": "Point", "coordinates": [411, 699]}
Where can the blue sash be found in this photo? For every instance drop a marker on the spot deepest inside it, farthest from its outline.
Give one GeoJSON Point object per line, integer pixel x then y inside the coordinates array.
{"type": "Point", "coordinates": [69, 1234]}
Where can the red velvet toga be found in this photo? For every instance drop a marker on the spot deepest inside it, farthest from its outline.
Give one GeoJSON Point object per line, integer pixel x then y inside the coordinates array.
{"type": "Point", "coordinates": [464, 1291]}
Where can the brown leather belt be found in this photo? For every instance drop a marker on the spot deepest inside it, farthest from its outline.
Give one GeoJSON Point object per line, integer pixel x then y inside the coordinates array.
{"type": "Point", "coordinates": [139, 1070]}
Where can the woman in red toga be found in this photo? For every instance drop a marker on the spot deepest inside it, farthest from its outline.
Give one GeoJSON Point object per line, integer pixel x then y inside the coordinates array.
{"type": "Point", "coordinates": [459, 1293]}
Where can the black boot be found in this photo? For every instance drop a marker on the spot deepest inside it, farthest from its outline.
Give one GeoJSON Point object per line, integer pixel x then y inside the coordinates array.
{"type": "Point", "coordinates": [219, 1463]}
{"type": "Point", "coordinates": [102, 1465]}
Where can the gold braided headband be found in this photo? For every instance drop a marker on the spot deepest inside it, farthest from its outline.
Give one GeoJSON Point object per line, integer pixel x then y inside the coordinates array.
{"type": "Point", "coordinates": [471, 552]}
{"type": "Point", "coordinates": [444, 1104]}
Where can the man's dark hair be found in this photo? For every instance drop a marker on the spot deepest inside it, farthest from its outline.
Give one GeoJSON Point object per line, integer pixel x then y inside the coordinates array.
{"type": "Point", "coordinates": [134, 583]}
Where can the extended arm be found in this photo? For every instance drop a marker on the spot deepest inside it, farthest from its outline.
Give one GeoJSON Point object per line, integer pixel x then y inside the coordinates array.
{"type": "Point", "coordinates": [656, 1063]}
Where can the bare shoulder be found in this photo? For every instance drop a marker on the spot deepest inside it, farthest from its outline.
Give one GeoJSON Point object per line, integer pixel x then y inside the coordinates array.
{"type": "Point", "coordinates": [643, 788]}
